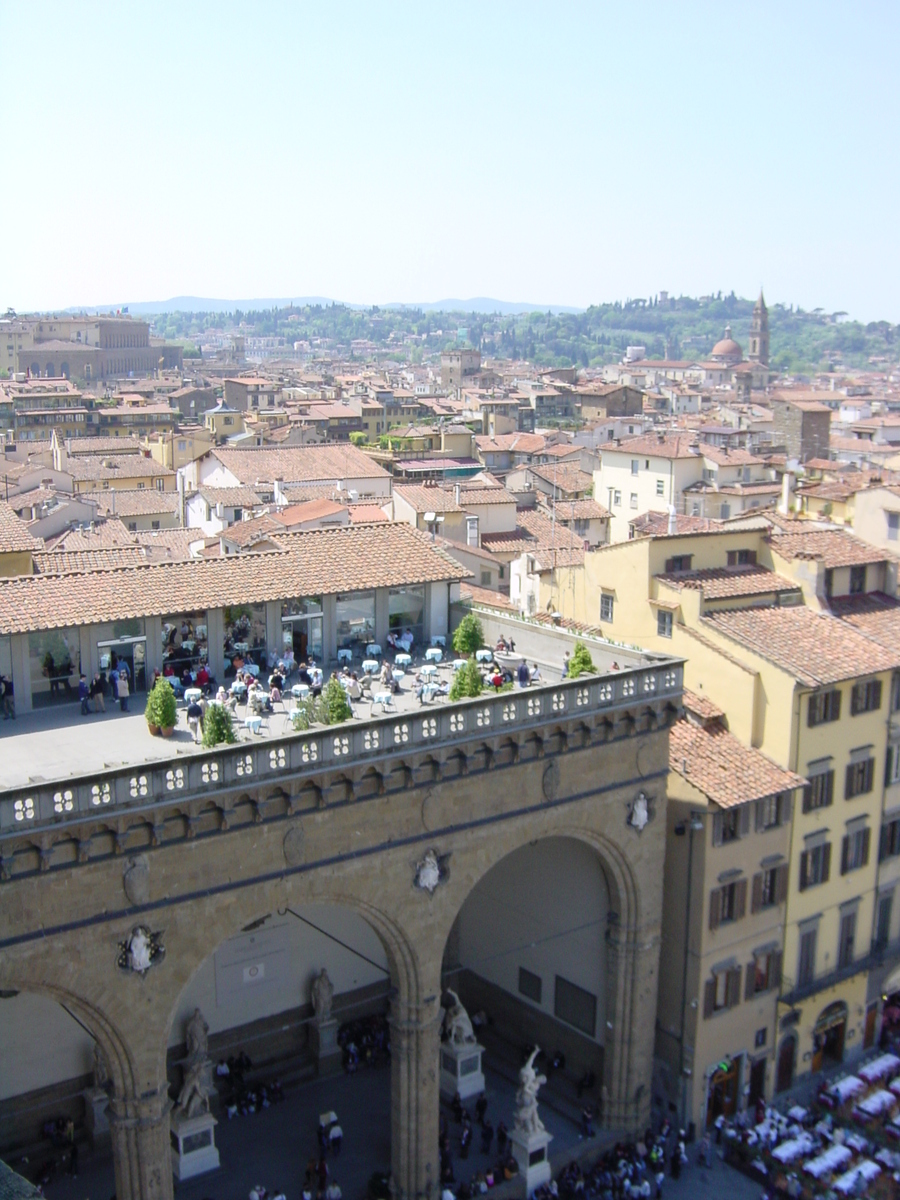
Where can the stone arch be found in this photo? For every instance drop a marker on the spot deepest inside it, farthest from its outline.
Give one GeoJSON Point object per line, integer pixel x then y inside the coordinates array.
{"type": "Point", "coordinates": [50, 371]}
{"type": "Point", "coordinates": [64, 370]}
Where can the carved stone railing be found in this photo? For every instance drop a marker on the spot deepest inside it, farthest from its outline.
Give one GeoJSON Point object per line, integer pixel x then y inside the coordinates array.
{"type": "Point", "coordinates": [336, 747]}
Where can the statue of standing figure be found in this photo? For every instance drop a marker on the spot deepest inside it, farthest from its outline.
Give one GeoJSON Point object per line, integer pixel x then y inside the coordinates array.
{"type": "Point", "coordinates": [527, 1119]}
{"type": "Point", "coordinates": [193, 1099]}
{"type": "Point", "coordinates": [322, 992]}
{"type": "Point", "coordinates": [196, 1037]}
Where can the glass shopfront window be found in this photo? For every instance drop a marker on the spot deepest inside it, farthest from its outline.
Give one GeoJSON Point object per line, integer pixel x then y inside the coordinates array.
{"type": "Point", "coordinates": [184, 643]}
{"type": "Point", "coordinates": [126, 649]}
{"type": "Point", "coordinates": [55, 664]}
{"type": "Point", "coordinates": [245, 637]}
{"type": "Point", "coordinates": [355, 621]}
{"type": "Point", "coordinates": [406, 608]}
{"type": "Point", "coordinates": [302, 636]}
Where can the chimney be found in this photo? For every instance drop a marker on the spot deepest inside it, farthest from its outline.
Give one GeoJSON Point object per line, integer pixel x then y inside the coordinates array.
{"type": "Point", "coordinates": [672, 526]}
{"type": "Point", "coordinates": [456, 494]}
{"type": "Point", "coordinates": [787, 486]}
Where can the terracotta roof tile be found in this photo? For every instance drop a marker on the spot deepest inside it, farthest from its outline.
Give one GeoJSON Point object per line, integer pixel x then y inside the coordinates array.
{"type": "Point", "coordinates": [651, 446]}
{"type": "Point", "coordinates": [831, 547]}
{"type": "Point", "coordinates": [104, 445]}
{"type": "Point", "coordinates": [14, 535]}
{"type": "Point", "coordinates": [64, 562]}
{"type": "Point", "coordinates": [702, 706]}
{"type": "Point", "coordinates": [114, 466]}
{"type": "Point", "coordinates": [873, 614]}
{"type": "Point", "coordinates": [355, 558]}
{"type": "Point", "coordinates": [815, 648]}
{"type": "Point", "coordinates": [299, 464]}
{"type": "Point", "coordinates": [656, 524]}
{"type": "Point", "coordinates": [231, 497]}
{"type": "Point", "coordinates": [132, 502]}
{"type": "Point", "coordinates": [722, 768]}
{"type": "Point", "coordinates": [720, 583]}
{"type": "Point", "coordinates": [104, 535]}
{"type": "Point", "coordinates": [564, 478]}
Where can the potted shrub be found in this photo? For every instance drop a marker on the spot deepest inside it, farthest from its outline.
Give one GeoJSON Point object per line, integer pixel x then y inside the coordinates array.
{"type": "Point", "coordinates": [581, 662]}
{"type": "Point", "coordinates": [468, 635]}
{"type": "Point", "coordinates": [334, 707]}
{"type": "Point", "coordinates": [161, 712]}
{"type": "Point", "coordinates": [466, 682]}
{"type": "Point", "coordinates": [217, 726]}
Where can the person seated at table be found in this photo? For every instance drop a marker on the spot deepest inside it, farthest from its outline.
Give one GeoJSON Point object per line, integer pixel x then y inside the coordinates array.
{"type": "Point", "coordinates": [221, 696]}
{"type": "Point", "coordinates": [276, 680]}
{"type": "Point", "coordinates": [352, 688]}
{"type": "Point", "coordinates": [497, 678]}
{"type": "Point", "coordinates": [288, 659]}
{"type": "Point", "coordinates": [187, 678]}
{"type": "Point", "coordinates": [274, 695]}
{"type": "Point", "coordinates": [386, 680]}
{"type": "Point", "coordinates": [303, 675]}
{"type": "Point", "coordinates": [202, 676]}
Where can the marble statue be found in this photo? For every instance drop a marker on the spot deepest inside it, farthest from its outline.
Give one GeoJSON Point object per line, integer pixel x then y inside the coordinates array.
{"type": "Point", "coordinates": [458, 1029]}
{"type": "Point", "coordinates": [322, 996]}
{"type": "Point", "coordinates": [428, 872]}
{"type": "Point", "coordinates": [526, 1118]}
{"type": "Point", "coordinates": [193, 1099]}
{"type": "Point", "coordinates": [139, 950]}
{"type": "Point", "coordinates": [196, 1036]}
{"type": "Point", "coordinates": [101, 1071]}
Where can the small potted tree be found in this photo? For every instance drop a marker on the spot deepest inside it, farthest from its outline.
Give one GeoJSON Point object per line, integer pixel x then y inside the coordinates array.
{"type": "Point", "coordinates": [161, 712]}
{"type": "Point", "coordinates": [217, 726]}
{"type": "Point", "coordinates": [581, 662]}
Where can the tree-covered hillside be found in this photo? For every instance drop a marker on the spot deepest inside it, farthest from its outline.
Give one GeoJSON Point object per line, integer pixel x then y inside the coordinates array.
{"type": "Point", "coordinates": [801, 342]}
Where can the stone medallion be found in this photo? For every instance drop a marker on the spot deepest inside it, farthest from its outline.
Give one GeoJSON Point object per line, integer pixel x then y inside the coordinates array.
{"type": "Point", "coordinates": [136, 879]}
{"type": "Point", "coordinates": [550, 780]}
{"type": "Point", "coordinates": [294, 845]}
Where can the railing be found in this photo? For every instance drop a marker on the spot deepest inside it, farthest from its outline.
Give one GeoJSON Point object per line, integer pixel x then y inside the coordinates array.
{"type": "Point", "coordinates": [330, 747]}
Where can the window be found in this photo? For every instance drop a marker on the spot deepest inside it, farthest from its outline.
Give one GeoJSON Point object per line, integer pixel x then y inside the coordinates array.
{"type": "Point", "coordinates": [575, 1006]}
{"type": "Point", "coordinates": [855, 850]}
{"type": "Point", "coordinates": [819, 792]}
{"type": "Point", "coordinates": [633, 500]}
{"type": "Point", "coordinates": [857, 580]}
{"type": "Point", "coordinates": [132, 526]}
{"type": "Point", "coordinates": [154, 524]}
{"type": "Point", "coordinates": [722, 991]}
{"type": "Point", "coordinates": [485, 579]}
{"type": "Point", "coordinates": [806, 966]}
{"type": "Point", "coordinates": [846, 939]}
{"type": "Point", "coordinates": [815, 865]}
{"type": "Point", "coordinates": [727, 903]}
{"type": "Point", "coordinates": [606, 606]}
{"type": "Point", "coordinates": [741, 558]}
{"type": "Point", "coordinates": [763, 974]}
{"type": "Point", "coordinates": [824, 707]}
{"type": "Point", "coordinates": [769, 888]}
{"type": "Point", "coordinates": [895, 694]}
{"type": "Point", "coordinates": [883, 921]}
{"type": "Point", "coordinates": [761, 1037]}
{"type": "Point", "coordinates": [731, 824]}
{"type": "Point", "coordinates": [829, 581]}
{"type": "Point", "coordinates": [889, 845]}
{"type": "Point", "coordinates": [772, 811]}
{"type": "Point", "coordinates": [893, 522]}
{"type": "Point", "coordinates": [865, 697]}
{"type": "Point", "coordinates": [664, 623]}
{"type": "Point", "coordinates": [160, 485]}
{"type": "Point", "coordinates": [617, 497]}
{"type": "Point", "coordinates": [679, 562]}
{"type": "Point", "coordinates": [660, 487]}
{"type": "Point", "coordinates": [530, 985]}
{"type": "Point", "coordinates": [182, 445]}
{"type": "Point", "coordinates": [635, 466]}
{"type": "Point", "coordinates": [859, 778]}
{"type": "Point", "coordinates": [892, 765]}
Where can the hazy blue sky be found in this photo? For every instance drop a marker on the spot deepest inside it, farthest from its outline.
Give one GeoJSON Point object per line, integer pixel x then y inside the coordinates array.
{"type": "Point", "coordinates": [556, 152]}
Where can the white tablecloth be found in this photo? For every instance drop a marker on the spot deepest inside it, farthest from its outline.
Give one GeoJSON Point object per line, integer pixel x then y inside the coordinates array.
{"type": "Point", "coordinates": [795, 1148]}
{"type": "Point", "coordinates": [434, 654]}
{"type": "Point", "coordinates": [484, 655]}
{"type": "Point", "coordinates": [866, 1170]}
{"type": "Point", "coordinates": [797, 1113]}
{"type": "Point", "coordinates": [879, 1102]}
{"type": "Point", "coordinates": [370, 666]}
{"type": "Point", "coordinates": [880, 1068]}
{"type": "Point", "coordinates": [402, 660]}
{"type": "Point", "coordinates": [830, 1160]}
{"type": "Point", "coordinates": [845, 1088]}
{"type": "Point", "coordinates": [429, 670]}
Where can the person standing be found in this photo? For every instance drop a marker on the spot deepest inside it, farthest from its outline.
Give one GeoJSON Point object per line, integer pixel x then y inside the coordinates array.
{"type": "Point", "coordinates": [122, 689]}
{"type": "Point", "coordinates": [96, 694]}
{"type": "Point", "coordinates": [565, 669]}
{"type": "Point", "coordinates": [465, 1139]}
{"type": "Point", "coordinates": [522, 674]}
{"type": "Point", "coordinates": [487, 1136]}
{"type": "Point", "coordinates": [6, 695]}
{"type": "Point", "coordinates": [83, 694]}
{"type": "Point", "coordinates": [336, 1137]}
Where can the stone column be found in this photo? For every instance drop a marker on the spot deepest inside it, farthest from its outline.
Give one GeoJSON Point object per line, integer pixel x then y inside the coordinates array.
{"type": "Point", "coordinates": [632, 965]}
{"type": "Point", "coordinates": [140, 1145]}
{"type": "Point", "coordinates": [415, 1036]}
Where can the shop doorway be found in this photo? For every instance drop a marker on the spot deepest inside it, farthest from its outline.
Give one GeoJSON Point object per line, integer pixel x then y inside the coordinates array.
{"type": "Point", "coordinates": [784, 1075]}
{"type": "Point", "coordinates": [724, 1088]}
{"type": "Point", "coordinates": [130, 653]}
{"type": "Point", "coordinates": [828, 1037]}
{"type": "Point", "coordinates": [871, 1024]}
{"type": "Point", "coordinates": [757, 1081]}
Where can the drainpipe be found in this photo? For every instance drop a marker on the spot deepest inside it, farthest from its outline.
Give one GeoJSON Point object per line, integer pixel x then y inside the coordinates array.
{"type": "Point", "coordinates": [694, 824]}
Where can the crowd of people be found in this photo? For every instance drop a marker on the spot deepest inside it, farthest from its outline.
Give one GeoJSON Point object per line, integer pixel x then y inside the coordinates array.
{"type": "Point", "coordinates": [365, 1042]}
{"type": "Point", "coordinates": [240, 1097]}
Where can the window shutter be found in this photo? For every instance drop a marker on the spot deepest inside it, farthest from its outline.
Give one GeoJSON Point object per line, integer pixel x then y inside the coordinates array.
{"type": "Point", "coordinates": [709, 997]}
{"type": "Point", "coordinates": [867, 841]}
{"type": "Point", "coordinates": [870, 775]}
{"type": "Point", "coordinates": [756, 894]}
{"type": "Point", "coordinates": [787, 807]}
{"type": "Point", "coordinates": [848, 782]}
{"type": "Point", "coordinates": [781, 884]}
{"type": "Point", "coordinates": [732, 558]}
{"type": "Point", "coordinates": [740, 900]}
{"type": "Point", "coordinates": [715, 908]}
{"type": "Point", "coordinates": [826, 862]}
{"type": "Point", "coordinates": [758, 821]}
{"type": "Point", "coordinates": [884, 842]}
{"type": "Point", "coordinates": [751, 557]}
{"type": "Point", "coordinates": [804, 860]}
{"type": "Point", "coordinates": [717, 829]}
{"type": "Point", "coordinates": [733, 988]}
{"type": "Point", "coordinates": [744, 820]}
{"type": "Point", "coordinates": [829, 790]}
{"type": "Point", "coordinates": [670, 565]}
{"type": "Point", "coordinates": [807, 797]}
{"type": "Point", "coordinates": [876, 694]}
{"type": "Point", "coordinates": [888, 764]}
{"type": "Point", "coordinates": [775, 975]}
{"type": "Point", "coordinates": [836, 705]}
{"type": "Point", "coordinates": [855, 700]}
{"type": "Point", "coordinates": [750, 981]}
{"type": "Point", "coordinates": [845, 854]}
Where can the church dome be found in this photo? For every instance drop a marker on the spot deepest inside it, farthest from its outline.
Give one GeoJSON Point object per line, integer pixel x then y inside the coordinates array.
{"type": "Point", "coordinates": [727, 349]}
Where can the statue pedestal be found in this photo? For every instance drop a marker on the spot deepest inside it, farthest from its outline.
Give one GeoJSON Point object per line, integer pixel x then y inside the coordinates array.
{"type": "Point", "coordinates": [193, 1145]}
{"type": "Point", "coordinates": [461, 1073]}
{"type": "Point", "coordinates": [531, 1152]}
{"type": "Point", "coordinates": [324, 1046]}
{"type": "Point", "coordinates": [96, 1103]}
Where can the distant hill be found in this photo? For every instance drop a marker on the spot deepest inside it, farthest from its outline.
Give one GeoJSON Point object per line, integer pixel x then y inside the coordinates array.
{"type": "Point", "coordinates": [205, 304]}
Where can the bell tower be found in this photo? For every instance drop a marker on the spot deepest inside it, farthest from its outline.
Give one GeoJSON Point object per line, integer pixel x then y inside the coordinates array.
{"type": "Point", "coordinates": [759, 332]}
